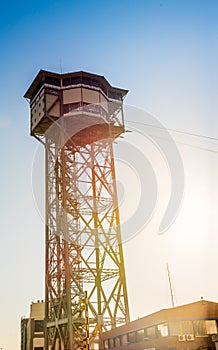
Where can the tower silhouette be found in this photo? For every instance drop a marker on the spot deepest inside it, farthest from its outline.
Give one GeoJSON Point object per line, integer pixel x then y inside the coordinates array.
{"type": "Point", "coordinates": [77, 116]}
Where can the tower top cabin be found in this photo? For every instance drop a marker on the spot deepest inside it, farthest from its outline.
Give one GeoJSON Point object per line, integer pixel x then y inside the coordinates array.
{"type": "Point", "coordinates": [87, 100]}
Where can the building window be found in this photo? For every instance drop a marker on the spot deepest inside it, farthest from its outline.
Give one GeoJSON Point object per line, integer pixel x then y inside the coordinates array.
{"type": "Point", "coordinates": [174, 328]}
{"type": "Point", "coordinates": [162, 330]}
{"type": "Point", "coordinates": [186, 327]}
{"type": "Point", "coordinates": [95, 83]}
{"type": "Point", "coordinates": [52, 81]}
{"type": "Point", "coordinates": [124, 340]}
{"type": "Point", "coordinates": [140, 334]}
{"type": "Point", "coordinates": [86, 81]}
{"type": "Point", "coordinates": [117, 341]}
{"type": "Point", "coordinates": [39, 326]}
{"type": "Point", "coordinates": [131, 337]}
{"type": "Point", "coordinates": [115, 95]}
{"type": "Point", "coordinates": [103, 89]}
{"type": "Point", "coordinates": [66, 81]}
{"type": "Point", "coordinates": [76, 80]}
{"type": "Point", "coordinates": [211, 327]}
{"type": "Point", "coordinates": [106, 344]}
{"type": "Point", "coordinates": [151, 332]}
{"type": "Point", "coordinates": [180, 327]}
{"type": "Point", "coordinates": [111, 343]}
{"type": "Point", "coordinates": [199, 327]}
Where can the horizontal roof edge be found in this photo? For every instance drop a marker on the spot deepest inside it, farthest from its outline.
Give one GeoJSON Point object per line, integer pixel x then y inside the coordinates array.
{"type": "Point", "coordinates": [42, 73]}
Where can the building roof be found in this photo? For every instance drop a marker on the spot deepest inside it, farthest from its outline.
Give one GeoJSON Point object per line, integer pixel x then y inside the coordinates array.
{"type": "Point", "coordinates": [202, 309]}
{"type": "Point", "coordinates": [40, 78]}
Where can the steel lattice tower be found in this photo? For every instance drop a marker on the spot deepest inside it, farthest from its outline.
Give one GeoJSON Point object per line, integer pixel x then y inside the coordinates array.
{"type": "Point", "coordinates": [77, 116]}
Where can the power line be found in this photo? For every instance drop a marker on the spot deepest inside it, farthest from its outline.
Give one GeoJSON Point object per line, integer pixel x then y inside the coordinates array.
{"type": "Point", "coordinates": [183, 132]}
{"type": "Point", "coordinates": [201, 148]}
{"type": "Point", "coordinates": [174, 130]}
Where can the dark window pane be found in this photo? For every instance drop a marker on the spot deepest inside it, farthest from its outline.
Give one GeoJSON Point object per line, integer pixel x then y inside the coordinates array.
{"type": "Point", "coordinates": [115, 96]}
{"type": "Point", "coordinates": [39, 325]}
{"type": "Point", "coordinates": [103, 89]}
{"type": "Point", "coordinates": [95, 83]}
{"type": "Point", "coordinates": [52, 81]}
{"type": "Point", "coordinates": [56, 82]}
{"type": "Point", "coordinates": [66, 81]}
{"type": "Point", "coordinates": [76, 80]}
{"type": "Point", "coordinates": [86, 81]}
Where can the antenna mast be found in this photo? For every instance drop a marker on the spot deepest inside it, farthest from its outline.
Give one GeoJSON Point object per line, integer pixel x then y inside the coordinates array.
{"type": "Point", "coordinates": [170, 284]}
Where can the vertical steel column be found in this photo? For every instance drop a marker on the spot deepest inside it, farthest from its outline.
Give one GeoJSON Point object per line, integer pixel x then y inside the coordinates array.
{"type": "Point", "coordinates": [120, 248]}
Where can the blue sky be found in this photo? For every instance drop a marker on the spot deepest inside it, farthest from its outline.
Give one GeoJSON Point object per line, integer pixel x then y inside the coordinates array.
{"type": "Point", "coordinates": [165, 53]}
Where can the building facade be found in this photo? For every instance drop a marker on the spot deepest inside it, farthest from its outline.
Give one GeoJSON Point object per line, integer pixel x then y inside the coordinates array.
{"type": "Point", "coordinates": [32, 328]}
{"type": "Point", "coordinates": [187, 327]}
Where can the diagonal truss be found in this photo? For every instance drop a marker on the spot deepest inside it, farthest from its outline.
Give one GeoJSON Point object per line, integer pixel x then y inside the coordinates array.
{"type": "Point", "coordinates": [83, 240]}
